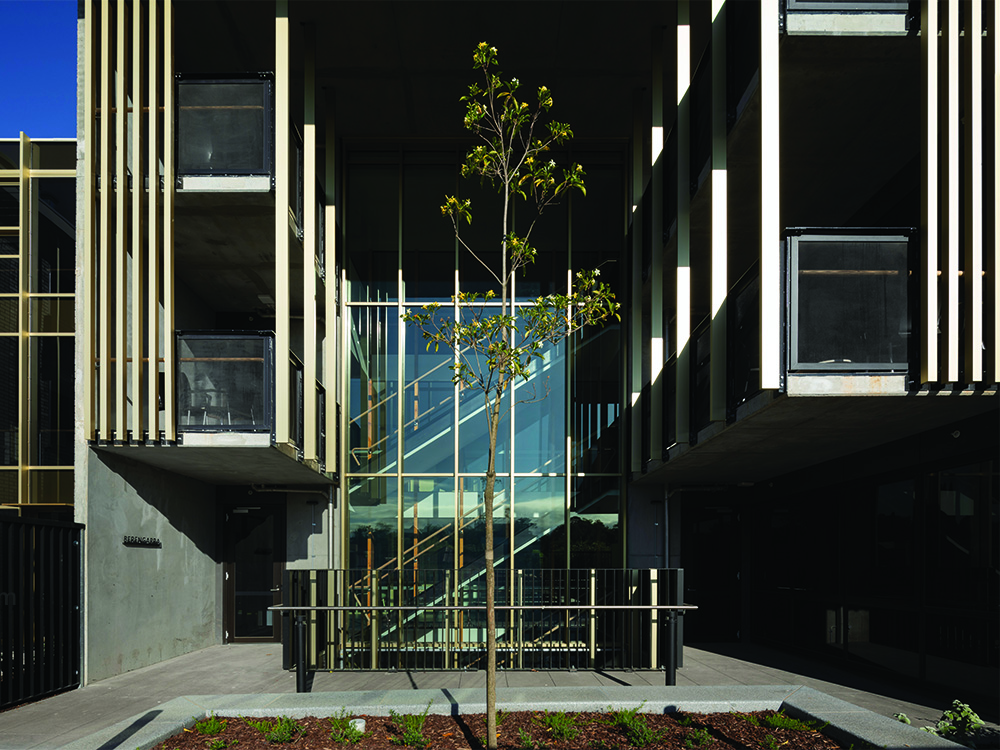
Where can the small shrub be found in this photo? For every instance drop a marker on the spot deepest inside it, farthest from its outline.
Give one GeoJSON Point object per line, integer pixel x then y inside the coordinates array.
{"type": "Point", "coordinates": [560, 724]}
{"type": "Point", "coordinates": [770, 742]}
{"type": "Point", "coordinates": [781, 721]}
{"type": "Point", "coordinates": [525, 739]}
{"type": "Point", "coordinates": [749, 719]}
{"type": "Point", "coordinates": [699, 738]}
{"type": "Point", "coordinates": [211, 725]}
{"type": "Point", "coordinates": [344, 730]}
{"type": "Point", "coordinates": [284, 729]}
{"type": "Point", "coordinates": [684, 720]}
{"type": "Point", "coordinates": [220, 744]}
{"type": "Point", "coordinates": [959, 724]}
{"type": "Point", "coordinates": [411, 727]}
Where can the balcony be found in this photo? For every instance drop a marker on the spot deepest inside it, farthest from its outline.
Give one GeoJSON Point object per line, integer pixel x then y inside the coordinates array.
{"type": "Point", "coordinates": [225, 134]}
{"type": "Point", "coordinates": [225, 382]}
{"type": "Point", "coordinates": [848, 17]}
{"type": "Point", "coordinates": [849, 302]}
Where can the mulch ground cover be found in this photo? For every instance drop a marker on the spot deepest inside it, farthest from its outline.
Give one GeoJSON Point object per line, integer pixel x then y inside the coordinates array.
{"type": "Point", "coordinates": [521, 730]}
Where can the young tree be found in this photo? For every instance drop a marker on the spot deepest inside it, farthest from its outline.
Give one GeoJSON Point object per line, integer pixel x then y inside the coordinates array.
{"type": "Point", "coordinates": [492, 350]}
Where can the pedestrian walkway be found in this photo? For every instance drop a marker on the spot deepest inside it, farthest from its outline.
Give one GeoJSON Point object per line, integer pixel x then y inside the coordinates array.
{"type": "Point", "coordinates": [256, 668]}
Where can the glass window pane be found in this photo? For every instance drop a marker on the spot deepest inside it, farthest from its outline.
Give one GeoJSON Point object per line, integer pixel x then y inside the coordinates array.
{"type": "Point", "coordinates": [374, 405]}
{"type": "Point", "coordinates": [221, 382]}
{"type": "Point", "coordinates": [472, 531]}
{"type": "Point", "coordinates": [852, 304]}
{"type": "Point", "coordinates": [8, 486]}
{"type": "Point", "coordinates": [540, 415]}
{"type": "Point", "coordinates": [428, 237]}
{"type": "Point", "coordinates": [597, 401]}
{"type": "Point", "coordinates": [428, 405]}
{"type": "Point", "coordinates": [50, 486]}
{"type": "Point", "coordinates": [8, 401]}
{"type": "Point", "coordinates": [429, 506]}
{"type": "Point", "coordinates": [52, 401]}
{"type": "Point", "coordinates": [53, 155]}
{"type": "Point", "coordinates": [550, 237]}
{"type": "Point", "coordinates": [221, 127]}
{"type": "Point", "coordinates": [481, 236]}
{"type": "Point", "coordinates": [53, 266]}
{"type": "Point", "coordinates": [594, 536]}
{"type": "Point", "coordinates": [372, 232]}
{"type": "Point", "coordinates": [372, 518]}
{"type": "Point", "coordinates": [539, 522]}
{"type": "Point", "coordinates": [8, 315]}
{"type": "Point", "coordinates": [473, 430]}
{"type": "Point", "coordinates": [51, 315]}
{"type": "Point", "coordinates": [10, 212]}
{"type": "Point", "coordinates": [8, 266]}
{"type": "Point", "coordinates": [10, 154]}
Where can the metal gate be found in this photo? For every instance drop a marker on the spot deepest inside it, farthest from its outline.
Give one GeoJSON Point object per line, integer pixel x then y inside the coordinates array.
{"type": "Point", "coordinates": [40, 584]}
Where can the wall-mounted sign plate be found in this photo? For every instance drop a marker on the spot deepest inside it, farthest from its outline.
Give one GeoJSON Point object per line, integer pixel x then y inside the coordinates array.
{"type": "Point", "coordinates": [141, 541]}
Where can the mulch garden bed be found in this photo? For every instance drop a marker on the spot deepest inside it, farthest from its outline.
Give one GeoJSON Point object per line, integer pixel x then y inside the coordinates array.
{"type": "Point", "coordinates": [518, 730]}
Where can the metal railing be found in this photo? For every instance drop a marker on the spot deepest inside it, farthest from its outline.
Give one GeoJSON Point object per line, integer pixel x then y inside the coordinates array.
{"type": "Point", "coordinates": [40, 577]}
{"type": "Point", "coordinates": [436, 619]}
{"type": "Point", "coordinates": [225, 381]}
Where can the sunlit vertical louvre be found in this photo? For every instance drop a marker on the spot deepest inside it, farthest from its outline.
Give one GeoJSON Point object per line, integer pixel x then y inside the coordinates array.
{"type": "Point", "coordinates": [167, 241]}
{"type": "Point", "coordinates": [282, 140]}
{"type": "Point", "coordinates": [770, 197]}
{"type": "Point", "coordinates": [930, 228]}
{"type": "Point", "coordinates": [120, 367]}
{"type": "Point", "coordinates": [154, 222]}
{"type": "Point", "coordinates": [137, 233]}
{"type": "Point", "coordinates": [720, 215]}
{"type": "Point", "coordinates": [682, 413]}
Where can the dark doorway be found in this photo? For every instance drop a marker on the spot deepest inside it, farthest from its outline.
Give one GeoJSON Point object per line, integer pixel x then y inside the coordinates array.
{"type": "Point", "coordinates": [254, 563]}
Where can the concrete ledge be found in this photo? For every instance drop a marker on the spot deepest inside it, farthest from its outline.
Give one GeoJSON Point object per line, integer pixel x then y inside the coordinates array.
{"type": "Point", "coordinates": [848, 723]}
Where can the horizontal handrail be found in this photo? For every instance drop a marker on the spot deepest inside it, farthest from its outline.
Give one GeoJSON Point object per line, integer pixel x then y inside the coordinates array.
{"type": "Point", "coordinates": [457, 608]}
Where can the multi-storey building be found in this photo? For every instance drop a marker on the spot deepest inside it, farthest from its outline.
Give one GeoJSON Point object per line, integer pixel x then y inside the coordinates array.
{"type": "Point", "coordinates": [793, 203]}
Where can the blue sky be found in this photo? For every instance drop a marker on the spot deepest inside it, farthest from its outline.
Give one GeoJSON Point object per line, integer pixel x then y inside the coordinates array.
{"type": "Point", "coordinates": [38, 68]}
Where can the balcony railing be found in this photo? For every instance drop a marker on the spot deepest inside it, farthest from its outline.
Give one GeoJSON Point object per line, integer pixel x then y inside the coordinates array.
{"type": "Point", "coordinates": [225, 381]}
{"type": "Point", "coordinates": [849, 300]}
{"type": "Point", "coordinates": [225, 126]}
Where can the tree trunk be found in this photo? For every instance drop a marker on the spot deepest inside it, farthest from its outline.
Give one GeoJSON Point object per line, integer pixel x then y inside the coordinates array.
{"type": "Point", "coordinates": [491, 617]}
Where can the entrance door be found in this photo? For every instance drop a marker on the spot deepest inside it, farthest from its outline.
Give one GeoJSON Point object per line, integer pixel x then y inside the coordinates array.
{"type": "Point", "coordinates": [253, 569]}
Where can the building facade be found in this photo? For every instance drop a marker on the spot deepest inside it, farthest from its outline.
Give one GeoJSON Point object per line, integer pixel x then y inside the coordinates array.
{"type": "Point", "coordinates": [789, 200]}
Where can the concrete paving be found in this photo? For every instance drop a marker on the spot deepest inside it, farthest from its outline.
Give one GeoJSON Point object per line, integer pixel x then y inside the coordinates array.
{"type": "Point", "coordinates": [120, 706]}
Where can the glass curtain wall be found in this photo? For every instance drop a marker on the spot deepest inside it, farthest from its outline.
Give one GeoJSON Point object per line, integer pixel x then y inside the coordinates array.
{"type": "Point", "coordinates": [416, 444]}
{"type": "Point", "coordinates": [37, 278]}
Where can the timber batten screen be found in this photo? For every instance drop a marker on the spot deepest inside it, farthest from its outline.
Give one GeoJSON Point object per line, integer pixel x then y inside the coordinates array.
{"type": "Point", "coordinates": [127, 321]}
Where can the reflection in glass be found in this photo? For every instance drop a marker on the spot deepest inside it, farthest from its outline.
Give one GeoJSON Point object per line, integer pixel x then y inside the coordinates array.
{"type": "Point", "coordinates": [50, 315]}
{"type": "Point", "coordinates": [473, 424]}
{"type": "Point", "coordinates": [428, 237]}
{"type": "Point", "coordinates": [372, 510]}
{"type": "Point", "coordinates": [429, 506]}
{"type": "Point", "coordinates": [52, 267]}
{"type": "Point", "coordinates": [540, 522]}
{"type": "Point", "coordinates": [50, 486]}
{"type": "Point", "coordinates": [223, 382]}
{"type": "Point", "coordinates": [597, 401]}
{"type": "Point", "coordinates": [373, 232]}
{"type": "Point", "coordinates": [540, 414]}
{"type": "Point", "coordinates": [428, 405]}
{"type": "Point", "coordinates": [472, 531]}
{"type": "Point", "coordinates": [594, 535]}
{"type": "Point", "coordinates": [53, 401]}
{"type": "Point", "coordinates": [374, 386]}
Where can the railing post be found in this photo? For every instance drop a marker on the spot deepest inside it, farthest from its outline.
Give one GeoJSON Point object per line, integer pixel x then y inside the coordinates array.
{"type": "Point", "coordinates": [592, 621]}
{"type": "Point", "coordinates": [653, 620]}
{"type": "Point", "coordinates": [671, 653]}
{"type": "Point", "coordinates": [300, 653]}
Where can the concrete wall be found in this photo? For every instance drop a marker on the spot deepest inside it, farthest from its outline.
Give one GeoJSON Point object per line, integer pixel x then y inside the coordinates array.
{"type": "Point", "coordinates": [145, 605]}
{"type": "Point", "coordinates": [308, 530]}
